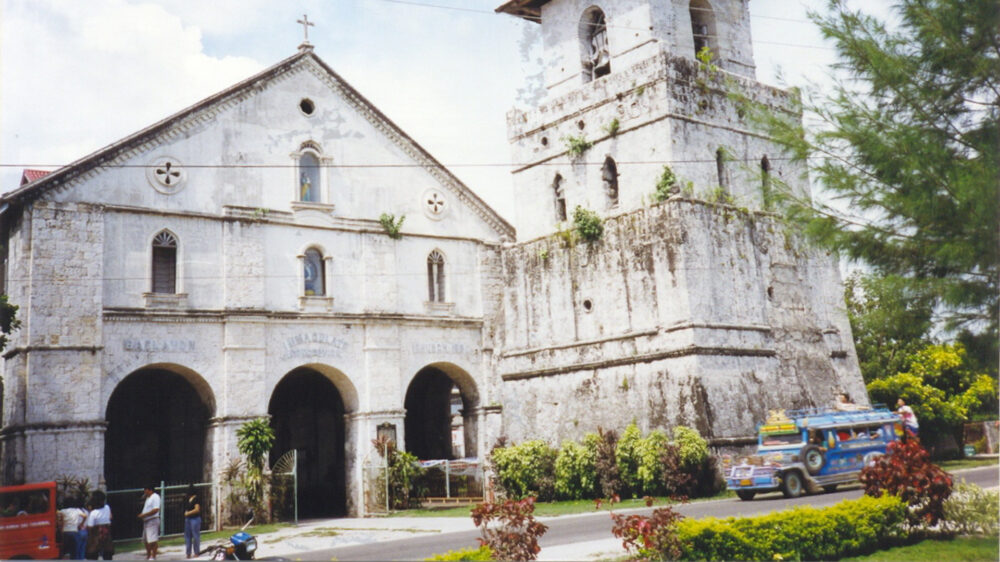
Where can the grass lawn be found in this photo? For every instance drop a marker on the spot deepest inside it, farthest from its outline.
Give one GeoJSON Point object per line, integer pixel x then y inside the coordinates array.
{"type": "Point", "coordinates": [966, 463]}
{"type": "Point", "coordinates": [548, 509]}
{"type": "Point", "coordinates": [207, 537]}
{"type": "Point", "coordinates": [936, 551]}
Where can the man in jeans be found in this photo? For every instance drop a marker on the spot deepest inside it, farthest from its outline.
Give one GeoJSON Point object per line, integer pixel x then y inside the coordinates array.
{"type": "Point", "coordinates": [150, 521]}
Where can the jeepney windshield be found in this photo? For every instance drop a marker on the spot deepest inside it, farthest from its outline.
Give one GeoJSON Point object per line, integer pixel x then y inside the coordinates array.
{"type": "Point", "coordinates": [780, 439]}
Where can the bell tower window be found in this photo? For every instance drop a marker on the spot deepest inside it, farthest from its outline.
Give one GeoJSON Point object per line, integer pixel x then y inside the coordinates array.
{"type": "Point", "coordinates": [609, 177]}
{"type": "Point", "coordinates": [560, 198]}
{"type": "Point", "coordinates": [594, 43]}
{"type": "Point", "coordinates": [703, 27]}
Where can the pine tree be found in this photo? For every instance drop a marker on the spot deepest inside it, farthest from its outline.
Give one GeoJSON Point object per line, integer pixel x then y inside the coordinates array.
{"type": "Point", "coordinates": [908, 151]}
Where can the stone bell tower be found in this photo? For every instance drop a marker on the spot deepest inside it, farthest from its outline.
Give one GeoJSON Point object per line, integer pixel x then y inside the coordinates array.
{"type": "Point", "coordinates": [628, 93]}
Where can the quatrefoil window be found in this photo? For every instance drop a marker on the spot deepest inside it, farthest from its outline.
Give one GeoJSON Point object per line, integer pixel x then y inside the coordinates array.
{"type": "Point", "coordinates": [435, 205]}
{"type": "Point", "coordinates": [166, 175]}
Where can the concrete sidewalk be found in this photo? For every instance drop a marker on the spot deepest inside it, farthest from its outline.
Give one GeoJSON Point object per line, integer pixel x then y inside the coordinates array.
{"type": "Point", "coordinates": [295, 542]}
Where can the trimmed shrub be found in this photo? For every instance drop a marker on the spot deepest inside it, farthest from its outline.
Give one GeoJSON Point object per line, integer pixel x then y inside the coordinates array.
{"type": "Point", "coordinates": [649, 453]}
{"type": "Point", "coordinates": [692, 447]}
{"type": "Point", "coordinates": [526, 469]}
{"type": "Point", "coordinates": [627, 459]}
{"type": "Point", "coordinates": [576, 476]}
{"type": "Point", "coordinates": [473, 554]}
{"type": "Point", "coordinates": [850, 528]}
{"type": "Point", "coordinates": [972, 510]}
{"type": "Point", "coordinates": [906, 471]}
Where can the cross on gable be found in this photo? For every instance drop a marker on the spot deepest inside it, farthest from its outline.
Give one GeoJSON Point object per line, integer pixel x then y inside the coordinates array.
{"type": "Point", "coordinates": [305, 28]}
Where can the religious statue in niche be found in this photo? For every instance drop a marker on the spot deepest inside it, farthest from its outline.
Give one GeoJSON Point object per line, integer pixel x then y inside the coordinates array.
{"type": "Point", "coordinates": [305, 192]}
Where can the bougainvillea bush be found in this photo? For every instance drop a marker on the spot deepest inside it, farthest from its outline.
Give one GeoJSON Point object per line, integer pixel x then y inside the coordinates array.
{"type": "Point", "coordinates": [907, 472]}
{"type": "Point", "coordinates": [509, 528]}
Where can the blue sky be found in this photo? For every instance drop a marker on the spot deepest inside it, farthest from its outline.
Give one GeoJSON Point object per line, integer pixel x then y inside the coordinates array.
{"type": "Point", "coordinates": [75, 76]}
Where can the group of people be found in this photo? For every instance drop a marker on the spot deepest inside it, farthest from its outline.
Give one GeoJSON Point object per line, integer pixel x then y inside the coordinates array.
{"type": "Point", "coordinates": [910, 422]}
{"type": "Point", "coordinates": [86, 529]}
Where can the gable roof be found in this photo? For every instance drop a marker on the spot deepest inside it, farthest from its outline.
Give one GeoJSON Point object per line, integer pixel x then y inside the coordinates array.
{"type": "Point", "coordinates": [29, 175]}
{"type": "Point", "coordinates": [107, 156]}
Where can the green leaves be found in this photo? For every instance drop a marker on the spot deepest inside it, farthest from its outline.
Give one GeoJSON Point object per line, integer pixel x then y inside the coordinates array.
{"type": "Point", "coordinates": [8, 320]}
{"type": "Point", "coordinates": [254, 441]}
{"type": "Point", "coordinates": [908, 151]}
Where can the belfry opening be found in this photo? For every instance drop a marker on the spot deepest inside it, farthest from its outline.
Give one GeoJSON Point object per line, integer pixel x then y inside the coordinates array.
{"type": "Point", "coordinates": [307, 414]}
{"type": "Point", "coordinates": [439, 421]}
{"type": "Point", "coordinates": [157, 424]}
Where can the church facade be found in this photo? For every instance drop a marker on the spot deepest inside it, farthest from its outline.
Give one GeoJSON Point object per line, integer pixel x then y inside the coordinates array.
{"type": "Point", "coordinates": [242, 258]}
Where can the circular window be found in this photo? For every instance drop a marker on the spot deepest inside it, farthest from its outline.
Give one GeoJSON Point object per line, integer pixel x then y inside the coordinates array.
{"type": "Point", "coordinates": [545, 141]}
{"type": "Point", "coordinates": [166, 175]}
{"type": "Point", "coordinates": [588, 305]}
{"type": "Point", "coordinates": [307, 106]}
{"type": "Point", "coordinates": [435, 205]}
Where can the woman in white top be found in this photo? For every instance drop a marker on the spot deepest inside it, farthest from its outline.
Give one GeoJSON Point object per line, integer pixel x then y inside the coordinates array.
{"type": "Point", "coordinates": [72, 517]}
{"type": "Point", "coordinates": [99, 529]}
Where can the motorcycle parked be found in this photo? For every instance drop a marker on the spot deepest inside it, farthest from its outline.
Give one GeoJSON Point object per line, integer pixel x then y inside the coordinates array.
{"type": "Point", "coordinates": [241, 546]}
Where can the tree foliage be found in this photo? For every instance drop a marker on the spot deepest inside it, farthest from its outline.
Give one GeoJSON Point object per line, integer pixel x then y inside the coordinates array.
{"type": "Point", "coordinates": [254, 441]}
{"type": "Point", "coordinates": [909, 151]}
{"type": "Point", "coordinates": [8, 320]}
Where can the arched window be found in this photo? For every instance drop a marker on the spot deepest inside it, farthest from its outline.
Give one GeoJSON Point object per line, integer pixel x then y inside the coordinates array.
{"type": "Point", "coordinates": [435, 277]}
{"type": "Point", "coordinates": [765, 181]}
{"type": "Point", "coordinates": [703, 27]}
{"type": "Point", "coordinates": [594, 44]}
{"type": "Point", "coordinates": [164, 263]}
{"type": "Point", "coordinates": [314, 273]}
{"type": "Point", "coordinates": [309, 177]}
{"type": "Point", "coordinates": [560, 197]}
{"type": "Point", "coordinates": [720, 168]}
{"type": "Point", "coordinates": [609, 177]}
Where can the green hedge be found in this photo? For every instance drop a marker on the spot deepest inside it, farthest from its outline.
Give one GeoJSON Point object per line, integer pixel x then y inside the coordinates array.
{"type": "Point", "coordinates": [849, 528]}
{"type": "Point", "coordinates": [526, 469]}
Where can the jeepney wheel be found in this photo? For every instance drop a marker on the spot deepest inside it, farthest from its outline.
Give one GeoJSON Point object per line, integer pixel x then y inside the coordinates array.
{"type": "Point", "coordinates": [830, 488]}
{"type": "Point", "coordinates": [791, 484]}
{"type": "Point", "coordinates": [813, 458]}
{"type": "Point", "coordinates": [745, 495]}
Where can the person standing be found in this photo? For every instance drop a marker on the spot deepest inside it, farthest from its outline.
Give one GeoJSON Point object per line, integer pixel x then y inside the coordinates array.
{"type": "Point", "coordinates": [909, 418]}
{"type": "Point", "coordinates": [99, 528]}
{"type": "Point", "coordinates": [73, 519]}
{"type": "Point", "coordinates": [192, 523]}
{"type": "Point", "coordinates": [150, 517]}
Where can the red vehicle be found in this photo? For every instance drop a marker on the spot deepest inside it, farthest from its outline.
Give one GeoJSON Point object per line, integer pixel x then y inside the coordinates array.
{"type": "Point", "coordinates": [28, 521]}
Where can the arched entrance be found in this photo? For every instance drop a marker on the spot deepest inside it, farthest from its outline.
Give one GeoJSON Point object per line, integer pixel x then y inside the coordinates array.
{"type": "Point", "coordinates": [157, 421]}
{"type": "Point", "coordinates": [439, 420]}
{"type": "Point", "coordinates": [307, 413]}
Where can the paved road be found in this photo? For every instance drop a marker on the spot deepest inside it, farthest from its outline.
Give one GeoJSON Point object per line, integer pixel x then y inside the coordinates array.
{"type": "Point", "coordinates": [596, 526]}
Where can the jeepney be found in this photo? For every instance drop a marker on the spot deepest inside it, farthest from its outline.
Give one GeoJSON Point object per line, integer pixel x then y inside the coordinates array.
{"type": "Point", "coordinates": [812, 449]}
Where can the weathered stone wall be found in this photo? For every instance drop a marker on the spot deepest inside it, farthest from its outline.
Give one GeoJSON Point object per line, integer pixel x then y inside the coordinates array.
{"type": "Point", "coordinates": [637, 29]}
{"type": "Point", "coordinates": [684, 313]}
{"type": "Point", "coordinates": [670, 111]}
{"type": "Point", "coordinates": [53, 362]}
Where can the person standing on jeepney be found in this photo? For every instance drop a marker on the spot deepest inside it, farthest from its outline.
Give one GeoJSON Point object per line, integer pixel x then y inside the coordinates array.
{"type": "Point", "coordinates": [909, 418]}
{"type": "Point", "coordinates": [844, 403]}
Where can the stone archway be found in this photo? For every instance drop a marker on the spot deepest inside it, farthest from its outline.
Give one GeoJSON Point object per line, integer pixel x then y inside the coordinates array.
{"type": "Point", "coordinates": [307, 413]}
{"type": "Point", "coordinates": [157, 426]}
{"type": "Point", "coordinates": [440, 421]}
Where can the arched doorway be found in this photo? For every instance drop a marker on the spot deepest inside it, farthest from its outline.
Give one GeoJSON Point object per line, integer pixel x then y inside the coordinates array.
{"type": "Point", "coordinates": [307, 413]}
{"type": "Point", "coordinates": [439, 421]}
{"type": "Point", "coordinates": [157, 423]}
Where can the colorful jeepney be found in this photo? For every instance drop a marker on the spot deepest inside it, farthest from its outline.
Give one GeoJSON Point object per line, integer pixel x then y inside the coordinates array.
{"type": "Point", "coordinates": [800, 450]}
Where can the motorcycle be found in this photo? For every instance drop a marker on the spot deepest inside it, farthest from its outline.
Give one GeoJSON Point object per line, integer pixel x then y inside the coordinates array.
{"type": "Point", "coordinates": [241, 546]}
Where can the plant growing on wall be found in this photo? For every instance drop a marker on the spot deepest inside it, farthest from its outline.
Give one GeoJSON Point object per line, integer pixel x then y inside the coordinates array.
{"type": "Point", "coordinates": [576, 146]}
{"type": "Point", "coordinates": [254, 441]}
{"type": "Point", "coordinates": [666, 185]}
{"type": "Point", "coordinates": [392, 225]}
{"type": "Point", "coordinates": [588, 224]}
{"type": "Point", "coordinates": [612, 128]}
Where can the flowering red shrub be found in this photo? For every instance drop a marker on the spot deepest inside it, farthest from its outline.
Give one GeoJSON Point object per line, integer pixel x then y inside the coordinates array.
{"type": "Point", "coordinates": [649, 538]}
{"type": "Point", "coordinates": [509, 528]}
{"type": "Point", "coordinates": [906, 471]}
